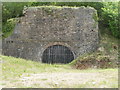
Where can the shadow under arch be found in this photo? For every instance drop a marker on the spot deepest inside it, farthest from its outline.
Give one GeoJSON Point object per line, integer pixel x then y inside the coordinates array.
{"type": "Point", "coordinates": [57, 54]}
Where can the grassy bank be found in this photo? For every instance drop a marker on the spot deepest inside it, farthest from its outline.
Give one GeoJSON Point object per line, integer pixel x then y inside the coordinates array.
{"type": "Point", "coordinates": [106, 56]}
{"type": "Point", "coordinates": [29, 74]}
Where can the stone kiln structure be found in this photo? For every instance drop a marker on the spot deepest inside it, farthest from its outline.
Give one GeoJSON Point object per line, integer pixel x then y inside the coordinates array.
{"type": "Point", "coordinates": [53, 34]}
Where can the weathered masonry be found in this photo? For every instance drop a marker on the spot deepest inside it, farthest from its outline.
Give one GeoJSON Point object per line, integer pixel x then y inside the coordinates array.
{"type": "Point", "coordinates": [53, 34]}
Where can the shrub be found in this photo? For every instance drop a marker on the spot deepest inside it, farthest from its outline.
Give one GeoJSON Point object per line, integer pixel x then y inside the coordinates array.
{"type": "Point", "coordinates": [109, 18]}
{"type": "Point", "coordinates": [8, 27]}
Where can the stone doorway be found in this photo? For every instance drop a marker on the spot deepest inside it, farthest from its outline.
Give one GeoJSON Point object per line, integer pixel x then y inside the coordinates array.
{"type": "Point", "coordinates": [57, 54]}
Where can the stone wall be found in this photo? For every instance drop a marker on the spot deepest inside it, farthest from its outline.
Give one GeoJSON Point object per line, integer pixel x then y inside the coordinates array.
{"type": "Point", "coordinates": [41, 27]}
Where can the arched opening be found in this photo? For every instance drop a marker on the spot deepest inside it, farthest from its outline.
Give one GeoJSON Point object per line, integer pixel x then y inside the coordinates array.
{"type": "Point", "coordinates": [57, 54]}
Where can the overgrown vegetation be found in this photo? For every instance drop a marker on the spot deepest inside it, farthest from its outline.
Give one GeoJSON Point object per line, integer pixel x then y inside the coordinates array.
{"type": "Point", "coordinates": [107, 12]}
{"type": "Point", "coordinates": [13, 10]}
{"type": "Point", "coordinates": [94, 60]}
{"type": "Point", "coordinates": [110, 18]}
{"type": "Point", "coordinates": [105, 57]}
{"type": "Point", "coordinates": [8, 27]}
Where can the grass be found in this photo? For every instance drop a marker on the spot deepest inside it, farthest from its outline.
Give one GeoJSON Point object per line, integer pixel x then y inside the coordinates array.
{"type": "Point", "coordinates": [15, 69]}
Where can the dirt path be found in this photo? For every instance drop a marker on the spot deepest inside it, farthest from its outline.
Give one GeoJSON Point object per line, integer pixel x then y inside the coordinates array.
{"type": "Point", "coordinates": [71, 80]}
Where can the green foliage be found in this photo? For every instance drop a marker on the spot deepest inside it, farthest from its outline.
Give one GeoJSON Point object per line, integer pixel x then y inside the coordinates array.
{"type": "Point", "coordinates": [13, 10]}
{"type": "Point", "coordinates": [110, 18]}
{"type": "Point", "coordinates": [8, 27]}
{"type": "Point", "coordinates": [41, 3]}
{"type": "Point", "coordinates": [95, 17]}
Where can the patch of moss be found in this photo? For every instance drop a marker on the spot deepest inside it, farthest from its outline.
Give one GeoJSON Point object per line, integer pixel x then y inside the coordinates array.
{"type": "Point", "coordinates": [48, 10]}
{"type": "Point", "coordinates": [58, 7]}
{"type": "Point", "coordinates": [95, 16]}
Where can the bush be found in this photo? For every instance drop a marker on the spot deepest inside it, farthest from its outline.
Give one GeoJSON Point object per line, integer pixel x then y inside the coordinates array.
{"type": "Point", "coordinates": [109, 18]}
{"type": "Point", "coordinates": [8, 27]}
{"type": "Point", "coordinates": [13, 10]}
